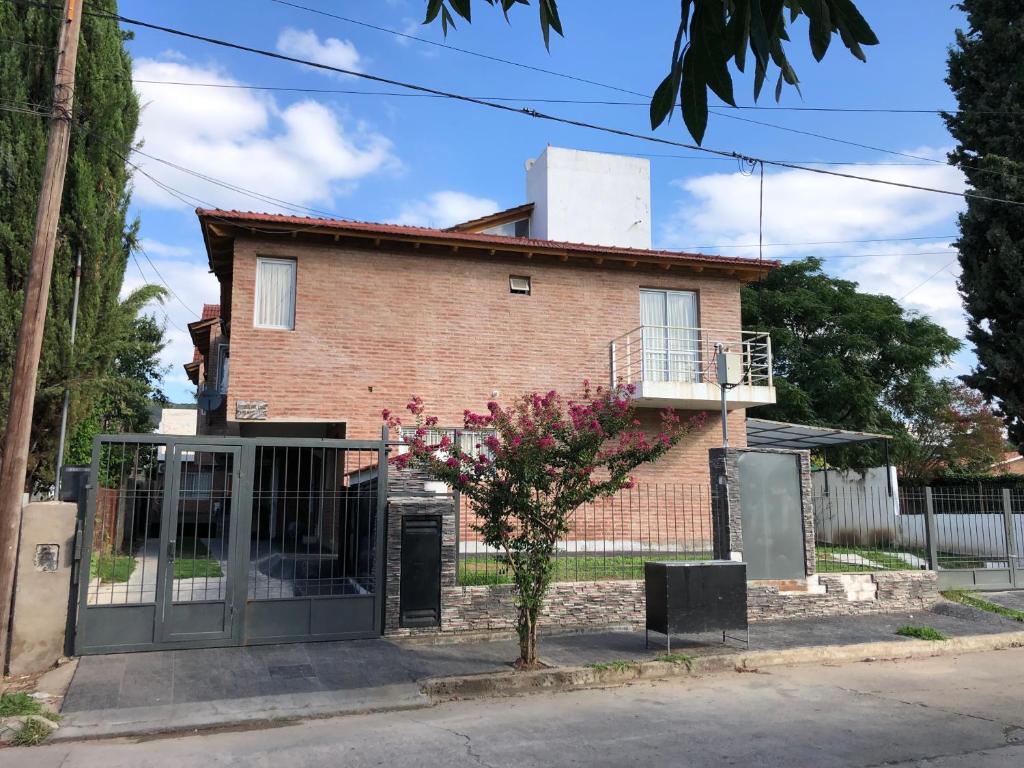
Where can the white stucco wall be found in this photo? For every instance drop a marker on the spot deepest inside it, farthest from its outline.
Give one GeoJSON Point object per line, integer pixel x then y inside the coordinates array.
{"type": "Point", "coordinates": [590, 197]}
{"type": "Point", "coordinates": [177, 421]}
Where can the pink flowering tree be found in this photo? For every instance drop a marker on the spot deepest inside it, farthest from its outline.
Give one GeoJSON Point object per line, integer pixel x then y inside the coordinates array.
{"type": "Point", "coordinates": [543, 458]}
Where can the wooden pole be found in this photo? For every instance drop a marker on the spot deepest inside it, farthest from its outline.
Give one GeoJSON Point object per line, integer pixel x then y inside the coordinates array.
{"type": "Point", "coordinates": [14, 457]}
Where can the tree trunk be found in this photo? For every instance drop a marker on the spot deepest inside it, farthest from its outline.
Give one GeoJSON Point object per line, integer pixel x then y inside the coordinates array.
{"type": "Point", "coordinates": [528, 643]}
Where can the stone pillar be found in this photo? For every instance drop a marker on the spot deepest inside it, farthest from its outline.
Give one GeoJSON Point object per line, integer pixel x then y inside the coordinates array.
{"type": "Point", "coordinates": [728, 508]}
{"type": "Point", "coordinates": [407, 496]}
{"type": "Point", "coordinates": [42, 586]}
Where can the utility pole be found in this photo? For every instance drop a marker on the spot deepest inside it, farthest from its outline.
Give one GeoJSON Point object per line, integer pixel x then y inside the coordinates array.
{"type": "Point", "coordinates": [30, 336]}
{"type": "Point", "coordinates": [67, 390]}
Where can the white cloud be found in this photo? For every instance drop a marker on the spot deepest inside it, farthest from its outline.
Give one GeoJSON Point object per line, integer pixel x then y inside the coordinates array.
{"type": "Point", "coordinates": [305, 44]}
{"type": "Point", "coordinates": [444, 209]}
{"type": "Point", "coordinates": [799, 207]}
{"type": "Point", "coordinates": [304, 153]}
{"type": "Point", "coordinates": [722, 209]}
{"type": "Point", "coordinates": [157, 248]}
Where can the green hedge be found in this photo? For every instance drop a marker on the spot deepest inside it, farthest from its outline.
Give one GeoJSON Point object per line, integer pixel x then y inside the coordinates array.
{"type": "Point", "coordinates": [995, 479]}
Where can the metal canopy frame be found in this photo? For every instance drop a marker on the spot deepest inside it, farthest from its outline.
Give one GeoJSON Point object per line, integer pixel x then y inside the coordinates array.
{"type": "Point", "coordinates": [764, 433]}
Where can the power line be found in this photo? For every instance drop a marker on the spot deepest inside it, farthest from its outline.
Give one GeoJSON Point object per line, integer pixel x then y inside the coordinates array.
{"type": "Point", "coordinates": [824, 242]}
{"type": "Point", "coordinates": [531, 112]}
{"type": "Point", "coordinates": [145, 279]}
{"type": "Point", "coordinates": [513, 63]}
{"type": "Point", "coordinates": [591, 102]}
{"type": "Point", "coordinates": [927, 280]}
{"type": "Point", "coordinates": [466, 51]}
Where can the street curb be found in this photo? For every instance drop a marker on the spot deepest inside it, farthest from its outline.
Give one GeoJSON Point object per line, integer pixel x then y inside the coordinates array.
{"type": "Point", "coordinates": [272, 711]}
{"type": "Point", "coordinates": [234, 714]}
{"type": "Point", "coordinates": [572, 678]}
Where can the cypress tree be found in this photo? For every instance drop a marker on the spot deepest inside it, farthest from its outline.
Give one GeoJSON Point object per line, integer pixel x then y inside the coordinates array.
{"type": "Point", "coordinates": [94, 220]}
{"type": "Point", "coordinates": [986, 73]}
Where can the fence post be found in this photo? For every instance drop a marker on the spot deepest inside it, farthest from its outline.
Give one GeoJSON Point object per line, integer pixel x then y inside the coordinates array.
{"type": "Point", "coordinates": [929, 527]}
{"type": "Point", "coordinates": [1011, 536]}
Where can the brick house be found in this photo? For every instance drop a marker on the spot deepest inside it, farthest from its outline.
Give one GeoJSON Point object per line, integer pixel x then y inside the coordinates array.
{"type": "Point", "coordinates": [326, 322]}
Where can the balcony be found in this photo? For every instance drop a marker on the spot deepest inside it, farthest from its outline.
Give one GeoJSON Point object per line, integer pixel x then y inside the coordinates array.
{"type": "Point", "coordinates": [677, 367]}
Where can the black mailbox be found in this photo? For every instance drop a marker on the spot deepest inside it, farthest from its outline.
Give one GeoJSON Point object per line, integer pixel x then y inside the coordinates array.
{"type": "Point", "coordinates": [73, 479]}
{"type": "Point", "coordinates": [420, 590]}
{"type": "Point", "coordinates": [696, 597]}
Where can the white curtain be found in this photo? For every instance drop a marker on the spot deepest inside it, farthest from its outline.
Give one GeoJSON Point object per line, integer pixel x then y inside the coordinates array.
{"type": "Point", "coordinates": [275, 293]}
{"type": "Point", "coordinates": [670, 336]}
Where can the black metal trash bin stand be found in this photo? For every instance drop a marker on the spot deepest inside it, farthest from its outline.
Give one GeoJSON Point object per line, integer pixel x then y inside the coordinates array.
{"type": "Point", "coordinates": [696, 597]}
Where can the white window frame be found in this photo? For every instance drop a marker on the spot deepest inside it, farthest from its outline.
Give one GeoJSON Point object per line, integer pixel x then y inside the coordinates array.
{"type": "Point", "coordinates": [256, 294]}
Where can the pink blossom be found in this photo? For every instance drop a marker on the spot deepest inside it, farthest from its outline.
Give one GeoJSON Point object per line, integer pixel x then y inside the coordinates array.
{"type": "Point", "coordinates": [385, 414]}
{"type": "Point", "coordinates": [445, 441]}
{"type": "Point", "coordinates": [452, 462]}
{"type": "Point", "coordinates": [415, 405]}
{"type": "Point", "coordinates": [463, 478]}
{"type": "Point", "coordinates": [546, 442]}
{"type": "Point", "coordinates": [431, 421]}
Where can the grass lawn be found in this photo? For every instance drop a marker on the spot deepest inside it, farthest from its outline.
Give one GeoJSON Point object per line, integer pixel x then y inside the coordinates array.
{"type": "Point", "coordinates": [192, 561]}
{"type": "Point", "coordinates": [887, 559]}
{"type": "Point", "coordinates": [110, 568]}
{"type": "Point", "coordinates": [975, 600]}
{"type": "Point", "coordinates": [483, 570]}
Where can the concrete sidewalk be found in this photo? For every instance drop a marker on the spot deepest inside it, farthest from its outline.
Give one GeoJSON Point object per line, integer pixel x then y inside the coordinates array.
{"type": "Point", "coordinates": [143, 693]}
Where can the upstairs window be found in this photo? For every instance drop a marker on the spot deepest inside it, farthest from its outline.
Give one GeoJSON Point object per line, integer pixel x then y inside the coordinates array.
{"type": "Point", "coordinates": [275, 294]}
{"type": "Point", "coordinates": [223, 359]}
{"type": "Point", "coordinates": [517, 228]}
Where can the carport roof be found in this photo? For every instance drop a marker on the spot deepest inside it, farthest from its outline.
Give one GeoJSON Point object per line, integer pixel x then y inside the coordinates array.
{"type": "Point", "coordinates": [762, 433]}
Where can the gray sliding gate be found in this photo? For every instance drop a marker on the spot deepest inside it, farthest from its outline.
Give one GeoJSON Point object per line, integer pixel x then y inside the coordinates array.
{"type": "Point", "coordinates": [194, 542]}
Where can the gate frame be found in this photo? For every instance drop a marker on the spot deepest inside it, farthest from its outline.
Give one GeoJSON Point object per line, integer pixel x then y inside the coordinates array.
{"type": "Point", "coordinates": [968, 578]}
{"type": "Point", "coordinates": [237, 599]}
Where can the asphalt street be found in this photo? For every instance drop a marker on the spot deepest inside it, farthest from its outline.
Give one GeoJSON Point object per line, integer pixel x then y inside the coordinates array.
{"type": "Point", "coordinates": [943, 712]}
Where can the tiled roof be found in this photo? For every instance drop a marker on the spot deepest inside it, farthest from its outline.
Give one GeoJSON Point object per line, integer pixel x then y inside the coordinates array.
{"type": "Point", "coordinates": [301, 222]}
{"type": "Point", "coordinates": [210, 311]}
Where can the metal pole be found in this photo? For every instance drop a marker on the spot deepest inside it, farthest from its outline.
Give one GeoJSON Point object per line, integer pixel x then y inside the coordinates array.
{"type": "Point", "coordinates": [33, 317]}
{"type": "Point", "coordinates": [929, 529]}
{"type": "Point", "coordinates": [1011, 536]}
{"type": "Point", "coordinates": [723, 385]}
{"type": "Point", "coordinates": [67, 390]}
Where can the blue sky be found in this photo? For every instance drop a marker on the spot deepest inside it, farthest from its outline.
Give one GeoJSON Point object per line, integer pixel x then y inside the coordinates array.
{"type": "Point", "coordinates": [433, 162]}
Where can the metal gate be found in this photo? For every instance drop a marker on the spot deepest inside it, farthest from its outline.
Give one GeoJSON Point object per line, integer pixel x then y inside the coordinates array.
{"type": "Point", "coordinates": [196, 542]}
{"type": "Point", "coordinates": [971, 536]}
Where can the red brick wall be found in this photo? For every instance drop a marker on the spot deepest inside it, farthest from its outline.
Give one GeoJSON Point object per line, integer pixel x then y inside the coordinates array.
{"type": "Point", "coordinates": [447, 328]}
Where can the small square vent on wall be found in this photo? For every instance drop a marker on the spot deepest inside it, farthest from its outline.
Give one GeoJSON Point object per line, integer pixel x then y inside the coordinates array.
{"type": "Point", "coordinates": [520, 285]}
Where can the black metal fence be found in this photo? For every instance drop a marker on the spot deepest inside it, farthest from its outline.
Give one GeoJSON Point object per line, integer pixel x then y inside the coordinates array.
{"type": "Point", "coordinates": [609, 539]}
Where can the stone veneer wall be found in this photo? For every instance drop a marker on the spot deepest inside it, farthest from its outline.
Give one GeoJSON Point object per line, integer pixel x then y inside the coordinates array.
{"type": "Point", "coordinates": [602, 604]}
{"type": "Point", "coordinates": [406, 498]}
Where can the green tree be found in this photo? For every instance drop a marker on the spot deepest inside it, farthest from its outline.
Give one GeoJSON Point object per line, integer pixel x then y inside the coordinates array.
{"type": "Point", "coordinates": [544, 458]}
{"type": "Point", "coordinates": [952, 429]}
{"type": "Point", "coordinates": [711, 34]}
{"type": "Point", "coordinates": [124, 398]}
{"type": "Point", "coordinates": [843, 358]}
{"type": "Point", "coordinates": [986, 73]}
{"type": "Point", "coordinates": [94, 218]}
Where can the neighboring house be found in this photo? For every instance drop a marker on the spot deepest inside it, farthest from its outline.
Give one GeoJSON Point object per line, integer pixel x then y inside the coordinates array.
{"type": "Point", "coordinates": [327, 322]}
{"type": "Point", "coordinates": [1011, 463]}
{"type": "Point", "coordinates": [208, 369]}
{"type": "Point", "coordinates": [178, 421]}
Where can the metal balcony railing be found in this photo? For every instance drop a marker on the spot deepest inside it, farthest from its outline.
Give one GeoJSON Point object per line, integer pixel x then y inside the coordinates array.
{"type": "Point", "coordinates": [657, 353]}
